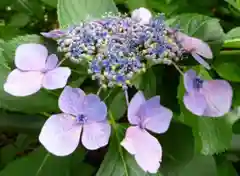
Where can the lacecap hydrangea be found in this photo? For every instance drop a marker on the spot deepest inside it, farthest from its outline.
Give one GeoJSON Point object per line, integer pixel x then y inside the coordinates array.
{"type": "Point", "coordinates": [117, 47]}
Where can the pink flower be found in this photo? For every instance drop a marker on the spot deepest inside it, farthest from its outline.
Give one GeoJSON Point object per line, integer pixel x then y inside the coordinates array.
{"type": "Point", "coordinates": [196, 47]}
{"type": "Point", "coordinates": [146, 115]}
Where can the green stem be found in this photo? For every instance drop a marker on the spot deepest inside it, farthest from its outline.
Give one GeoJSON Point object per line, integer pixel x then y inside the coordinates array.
{"type": "Point", "coordinates": [99, 90]}
{"type": "Point", "coordinates": [178, 69]}
{"type": "Point", "coordinates": [50, 92]}
{"type": "Point", "coordinates": [114, 125]}
{"type": "Point", "coordinates": [45, 114]}
{"type": "Point", "coordinates": [42, 164]}
{"type": "Point", "coordinates": [229, 52]}
{"type": "Point", "coordinates": [126, 97]}
{"type": "Point", "coordinates": [78, 72]}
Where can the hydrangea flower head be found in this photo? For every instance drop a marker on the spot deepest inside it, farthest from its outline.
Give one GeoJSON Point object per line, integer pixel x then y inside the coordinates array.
{"type": "Point", "coordinates": [196, 47]}
{"type": "Point", "coordinates": [211, 98]}
{"type": "Point", "coordinates": [117, 47]}
{"type": "Point", "coordinates": [146, 115]}
{"type": "Point", "coordinates": [35, 69]}
{"type": "Point", "coordinates": [142, 15]}
{"type": "Point", "coordinates": [82, 113]}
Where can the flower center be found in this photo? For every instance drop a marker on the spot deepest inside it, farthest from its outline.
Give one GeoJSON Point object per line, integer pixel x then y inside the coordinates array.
{"type": "Point", "coordinates": [81, 119]}
{"type": "Point", "coordinates": [197, 83]}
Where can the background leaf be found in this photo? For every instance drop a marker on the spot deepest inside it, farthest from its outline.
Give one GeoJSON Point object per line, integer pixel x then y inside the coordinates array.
{"type": "Point", "coordinates": [72, 12]}
{"type": "Point", "coordinates": [41, 163]}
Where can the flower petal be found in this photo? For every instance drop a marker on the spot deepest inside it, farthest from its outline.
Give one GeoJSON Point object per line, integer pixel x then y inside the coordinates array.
{"type": "Point", "coordinates": [134, 107]}
{"type": "Point", "coordinates": [146, 108]}
{"type": "Point", "coordinates": [31, 57]}
{"type": "Point", "coordinates": [201, 61]}
{"type": "Point", "coordinates": [155, 117]}
{"type": "Point", "coordinates": [158, 120]}
{"type": "Point", "coordinates": [218, 94]}
{"type": "Point", "coordinates": [201, 48]}
{"type": "Point", "coordinates": [189, 77]}
{"type": "Point", "coordinates": [71, 100]}
{"type": "Point", "coordinates": [195, 102]}
{"type": "Point", "coordinates": [194, 44]}
{"type": "Point", "coordinates": [54, 34]}
{"type": "Point", "coordinates": [94, 108]}
{"type": "Point", "coordinates": [145, 148]}
{"type": "Point", "coordinates": [142, 15]}
{"type": "Point", "coordinates": [52, 62]}
{"type": "Point", "coordinates": [23, 83]}
{"type": "Point", "coordinates": [96, 135]}
{"type": "Point", "coordinates": [56, 78]}
{"type": "Point", "coordinates": [60, 135]}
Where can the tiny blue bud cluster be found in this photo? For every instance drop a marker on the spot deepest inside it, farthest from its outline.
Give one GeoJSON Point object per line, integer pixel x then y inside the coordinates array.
{"type": "Point", "coordinates": [117, 47]}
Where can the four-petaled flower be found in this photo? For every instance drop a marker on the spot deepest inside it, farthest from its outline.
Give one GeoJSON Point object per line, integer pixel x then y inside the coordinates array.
{"type": "Point", "coordinates": [35, 69]}
{"type": "Point", "coordinates": [196, 47]}
{"type": "Point", "coordinates": [212, 98]}
{"type": "Point", "coordinates": [146, 115]}
{"type": "Point", "coordinates": [82, 113]}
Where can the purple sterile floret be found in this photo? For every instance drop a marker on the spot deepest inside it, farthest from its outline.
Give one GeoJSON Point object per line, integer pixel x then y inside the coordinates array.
{"type": "Point", "coordinates": [82, 113]}
{"type": "Point", "coordinates": [35, 69]}
{"type": "Point", "coordinates": [146, 115]}
{"type": "Point", "coordinates": [212, 98]}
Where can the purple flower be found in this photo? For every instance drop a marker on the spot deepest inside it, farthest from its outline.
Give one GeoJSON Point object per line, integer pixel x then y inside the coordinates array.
{"type": "Point", "coordinates": [82, 113]}
{"type": "Point", "coordinates": [196, 47]}
{"type": "Point", "coordinates": [212, 98]}
{"type": "Point", "coordinates": [54, 34]}
{"type": "Point", "coordinates": [35, 69]}
{"type": "Point", "coordinates": [146, 115]}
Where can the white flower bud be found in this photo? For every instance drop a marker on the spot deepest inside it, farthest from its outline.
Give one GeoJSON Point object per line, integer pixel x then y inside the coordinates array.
{"type": "Point", "coordinates": [142, 15]}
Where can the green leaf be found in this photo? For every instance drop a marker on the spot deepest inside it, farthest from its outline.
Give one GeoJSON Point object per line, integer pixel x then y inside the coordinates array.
{"type": "Point", "coordinates": [227, 66]}
{"type": "Point", "coordinates": [232, 39]}
{"type": "Point", "coordinates": [115, 101]}
{"type": "Point", "coordinates": [212, 135]}
{"type": "Point", "coordinates": [7, 154]}
{"type": "Point", "coordinates": [233, 34]}
{"type": "Point", "coordinates": [21, 122]}
{"type": "Point", "coordinates": [235, 144]}
{"type": "Point", "coordinates": [134, 4]}
{"type": "Point", "coordinates": [78, 82]}
{"type": "Point", "coordinates": [72, 12]}
{"type": "Point", "coordinates": [225, 168]}
{"type": "Point", "coordinates": [146, 82]}
{"type": "Point", "coordinates": [31, 7]}
{"type": "Point", "coordinates": [52, 3]}
{"type": "Point", "coordinates": [199, 166]}
{"type": "Point", "coordinates": [41, 163]}
{"type": "Point", "coordinates": [117, 162]}
{"type": "Point", "coordinates": [8, 32]}
{"type": "Point", "coordinates": [118, 105]}
{"type": "Point", "coordinates": [206, 28]}
{"type": "Point", "coordinates": [181, 136]}
{"type": "Point", "coordinates": [175, 7]}
{"type": "Point", "coordinates": [19, 20]}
